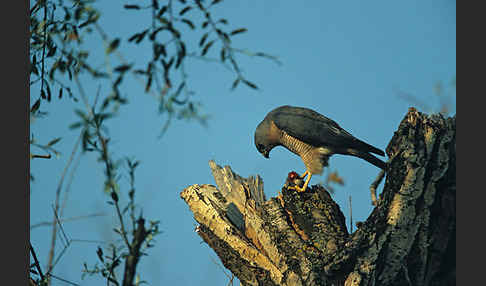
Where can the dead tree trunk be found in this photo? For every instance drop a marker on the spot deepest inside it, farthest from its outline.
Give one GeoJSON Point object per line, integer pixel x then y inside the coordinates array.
{"type": "Point", "coordinates": [301, 238]}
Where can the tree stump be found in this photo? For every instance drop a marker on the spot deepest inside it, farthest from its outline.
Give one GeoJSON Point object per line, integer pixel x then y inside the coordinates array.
{"type": "Point", "coordinates": [301, 238]}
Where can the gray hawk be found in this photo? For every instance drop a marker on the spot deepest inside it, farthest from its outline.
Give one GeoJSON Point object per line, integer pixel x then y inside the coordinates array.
{"type": "Point", "coordinates": [313, 137]}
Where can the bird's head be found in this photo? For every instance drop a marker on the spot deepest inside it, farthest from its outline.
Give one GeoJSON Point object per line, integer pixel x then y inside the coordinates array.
{"type": "Point", "coordinates": [262, 139]}
{"type": "Point", "coordinates": [261, 148]}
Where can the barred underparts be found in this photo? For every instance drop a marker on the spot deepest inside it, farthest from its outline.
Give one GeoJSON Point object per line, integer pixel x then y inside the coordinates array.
{"type": "Point", "coordinates": [314, 158]}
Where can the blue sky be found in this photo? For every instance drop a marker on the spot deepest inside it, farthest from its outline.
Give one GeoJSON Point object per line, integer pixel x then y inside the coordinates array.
{"type": "Point", "coordinates": [346, 60]}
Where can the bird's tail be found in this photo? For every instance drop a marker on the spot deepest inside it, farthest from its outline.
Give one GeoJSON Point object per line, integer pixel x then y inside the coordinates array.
{"type": "Point", "coordinates": [365, 146]}
{"type": "Point", "coordinates": [368, 157]}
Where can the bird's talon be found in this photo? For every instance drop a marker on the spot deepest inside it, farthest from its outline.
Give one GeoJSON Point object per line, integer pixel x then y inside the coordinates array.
{"type": "Point", "coordinates": [313, 137]}
{"type": "Point", "coordinates": [296, 188]}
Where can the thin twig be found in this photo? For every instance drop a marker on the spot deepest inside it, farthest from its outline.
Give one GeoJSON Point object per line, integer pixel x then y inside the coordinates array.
{"type": "Point", "coordinates": [97, 96]}
{"type": "Point", "coordinates": [252, 54]}
{"type": "Point", "coordinates": [63, 280]}
{"type": "Point", "coordinates": [90, 241]}
{"type": "Point", "coordinates": [350, 216]}
{"type": "Point", "coordinates": [44, 44]}
{"type": "Point", "coordinates": [68, 186]}
{"type": "Point", "coordinates": [66, 245]}
{"type": "Point", "coordinates": [104, 150]}
{"type": "Point", "coordinates": [375, 185]}
{"type": "Point", "coordinates": [122, 226]}
{"type": "Point", "coordinates": [59, 256]}
{"type": "Point", "coordinates": [36, 261]}
{"type": "Point", "coordinates": [66, 220]}
{"type": "Point", "coordinates": [66, 239]}
{"type": "Point", "coordinates": [58, 194]}
{"type": "Point", "coordinates": [83, 96]}
{"type": "Point", "coordinates": [48, 156]}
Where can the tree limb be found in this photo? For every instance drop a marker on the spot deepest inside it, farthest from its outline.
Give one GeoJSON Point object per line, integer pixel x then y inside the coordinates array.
{"type": "Point", "coordinates": [301, 238]}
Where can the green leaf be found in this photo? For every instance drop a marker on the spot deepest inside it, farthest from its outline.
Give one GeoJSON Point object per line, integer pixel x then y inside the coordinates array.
{"type": "Point", "coordinates": [92, 19]}
{"type": "Point", "coordinates": [206, 48]}
{"type": "Point", "coordinates": [114, 196]}
{"type": "Point", "coordinates": [164, 21]}
{"type": "Point", "coordinates": [226, 37]}
{"type": "Point", "coordinates": [36, 106]}
{"type": "Point", "coordinates": [128, 6]}
{"type": "Point", "coordinates": [154, 33]}
{"type": "Point", "coordinates": [70, 74]}
{"type": "Point", "coordinates": [138, 37]}
{"type": "Point", "coordinates": [48, 92]}
{"type": "Point", "coordinates": [118, 81]}
{"type": "Point", "coordinates": [189, 23]}
{"type": "Point", "coordinates": [149, 83]}
{"type": "Point", "coordinates": [75, 125]}
{"type": "Point", "coordinates": [35, 70]}
{"type": "Point", "coordinates": [198, 2]}
{"type": "Point", "coordinates": [223, 54]}
{"type": "Point", "coordinates": [203, 39]}
{"type": "Point", "coordinates": [180, 56]}
{"type": "Point", "coordinates": [133, 37]}
{"type": "Point", "coordinates": [223, 21]}
{"type": "Point", "coordinates": [250, 84]}
{"type": "Point", "coordinates": [52, 51]}
{"type": "Point", "coordinates": [235, 83]}
{"type": "Point", "coordinates": [54, 141]}
{"type": "Point", "coordinates": [113, 45]}
{"type": "Point", "coordinates": [135, 164]}
{"type": "Point", "coordinates": [99, 252]}
{"type": "Point", "coordinates": [85, 23]}
{"type": "Point", "coordinates": [80, 113]}
{"type": "Point", "coordinates": [216, 2]}
{"type": "Point", "coordinates": [139, 71]}
{"type": "Point", "coordinates": [174, 32]}
{"type": "Point", "coordinates": [162, 11]}
{"type": "Point", "coordinates": [123, 68]}
{"type": "Point", "coordinates": [185, 10]}
{"type": "Point", "coordinates": [158, 50]}
{"type": "Point", "coordinates": [238, 31]}
{"type": "Point", "coordinates": [179, 89]}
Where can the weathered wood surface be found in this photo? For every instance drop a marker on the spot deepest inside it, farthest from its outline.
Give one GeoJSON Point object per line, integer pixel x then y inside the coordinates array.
{"type": "Point", "coordinates": [301, 238]}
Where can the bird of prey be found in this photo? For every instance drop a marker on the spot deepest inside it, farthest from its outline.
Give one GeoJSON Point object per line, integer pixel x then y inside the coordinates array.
{"type": "Point", "coordinates": [311, 136]}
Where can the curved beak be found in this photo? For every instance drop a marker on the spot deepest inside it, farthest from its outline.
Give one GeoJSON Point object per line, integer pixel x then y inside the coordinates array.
{"type": "Point", "coordinates": [266, 154]}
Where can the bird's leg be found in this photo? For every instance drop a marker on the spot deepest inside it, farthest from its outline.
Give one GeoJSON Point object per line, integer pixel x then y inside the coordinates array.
{"type": "Point", "coordinates": [305, 174]}
{"type": "Point", "coordinates": [304, 187]}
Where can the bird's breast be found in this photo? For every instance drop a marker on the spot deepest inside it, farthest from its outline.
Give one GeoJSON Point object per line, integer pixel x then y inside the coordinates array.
{"type": "Point", "coordinates": [295, 145]}
{"type": "Point", "coordinates": [314, 158]}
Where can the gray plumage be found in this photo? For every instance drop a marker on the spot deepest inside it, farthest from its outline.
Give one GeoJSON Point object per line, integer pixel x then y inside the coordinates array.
{"type": "Point", "coordinates": [312, 136]}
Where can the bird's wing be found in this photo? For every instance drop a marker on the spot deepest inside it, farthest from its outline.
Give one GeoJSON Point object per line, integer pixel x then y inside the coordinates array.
{"type": "Point", "coordinates": [315, 129]}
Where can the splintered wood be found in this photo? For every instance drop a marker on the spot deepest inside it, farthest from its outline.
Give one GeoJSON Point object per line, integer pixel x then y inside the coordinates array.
{"type": "Point", "coordinates": [300, 238]}
{"type": "Point", "coordinates": [261, 240]}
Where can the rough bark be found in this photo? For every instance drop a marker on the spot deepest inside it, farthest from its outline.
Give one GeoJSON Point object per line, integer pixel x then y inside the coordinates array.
{"type": "Point", "coordinates": [301, 238]}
